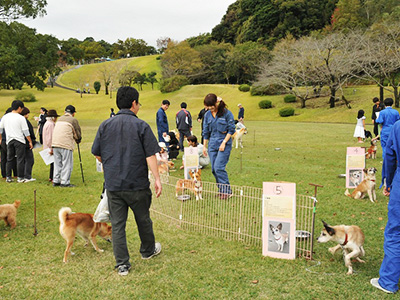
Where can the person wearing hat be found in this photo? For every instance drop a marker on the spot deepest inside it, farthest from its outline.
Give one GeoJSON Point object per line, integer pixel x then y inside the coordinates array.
{"type": "Point", "coordinates": [66, 133]}
{"type": "Point", "coordinates": [241, 113]}
{"type": "Point", "coordinates": [48, 129]}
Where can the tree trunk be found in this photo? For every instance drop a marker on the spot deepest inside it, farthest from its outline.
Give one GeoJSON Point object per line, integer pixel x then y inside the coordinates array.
{"type": "Point", "coordinates": [332, 98]}
{"type": "Point", "coordinates": [346, 102]}
{"type": "Point", "coordinates": [396, 96]}
{"type": "Point", "coordinates": [303, 102]}
{"type": "Point", "coordinates": [381, 89]}
{"type": "Point", "coordinates": [106, 85]}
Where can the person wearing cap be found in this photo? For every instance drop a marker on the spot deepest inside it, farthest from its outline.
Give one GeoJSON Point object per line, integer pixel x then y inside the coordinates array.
{"type": "Point", "coordinates": [162, 121]}
{"type": "Point", "coordinates": [126, 179]}
{"type": "Point", "coordinates": [184, 124]}
{"type": "Point", "coordinates": [241, 113]}
{"type": "Point", "coordinates": [48, 129]}
{"type": "Point", "coordinates": [29, 158]}
{"type": "Point", "coordinates": [17, 129]}
{"type": "Point", "coordinates": [66, 133]}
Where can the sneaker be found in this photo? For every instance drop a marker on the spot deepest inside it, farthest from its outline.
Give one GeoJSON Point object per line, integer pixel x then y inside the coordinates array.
{"type": "Point", "coordinates": [157, 250]}
{"type": "Point", "coordinates": [225, 196]}
{"type": "Point", "coordinates": [375, 283]}
{"type": "Point", "coordinates": [123, 270]}
{"type": "Point", "coordinates": [20, 180]}
{"type": "Point", "coordinates": [30, 180]}
{"type": "Point", "coordinates": [56, 184]}
{"type": "Point", "coordinates": [9, 179]}
{"type": "Point", "coordinates": [67, 185]}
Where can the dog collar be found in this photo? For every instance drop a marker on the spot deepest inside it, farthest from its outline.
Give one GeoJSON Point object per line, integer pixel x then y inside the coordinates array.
{"type": "Point", "coordinates": [372, 180]}
{"type": "Point", "coordinates": [345, 241]}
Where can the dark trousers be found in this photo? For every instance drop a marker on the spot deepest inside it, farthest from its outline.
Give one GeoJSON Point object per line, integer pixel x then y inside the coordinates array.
{"type": "Point", "coordinates": [182, 135]}
{"type": "Point", "coordinates": [4, 161]}
{"type": "Point", "coordinates": [139, 202]}
{"type": "Point", "coordinates": [376, 131]}
{"type": "Point", "coordinates": [29, 161]}
{"type": "Point", "coordinates": [51, 171]}
{"type": "Point", "coordinates": [16, 148]}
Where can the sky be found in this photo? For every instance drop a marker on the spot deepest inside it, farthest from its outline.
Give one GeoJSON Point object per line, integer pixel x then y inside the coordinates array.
{"type": "Point", "coordinates": [120, 19]}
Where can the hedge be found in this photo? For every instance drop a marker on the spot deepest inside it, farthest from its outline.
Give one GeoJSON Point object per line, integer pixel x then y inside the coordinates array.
{"type": "Point", "coordinates": [290, 98]}
{"type": "Point", "coordinates": [265, 104]}
{"type": "Point", "coordinates": [286, 112]}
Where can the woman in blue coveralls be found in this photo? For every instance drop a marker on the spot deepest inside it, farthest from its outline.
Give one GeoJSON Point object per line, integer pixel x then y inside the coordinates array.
{"type": "Point", "coordinates": [218, 128]}
{"type": "Point", "coordinates": [390, 268]}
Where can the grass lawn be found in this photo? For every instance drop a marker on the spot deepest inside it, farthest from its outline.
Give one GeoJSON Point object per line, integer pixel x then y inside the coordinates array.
{"type": "Point", "coordinates": [191, 265]}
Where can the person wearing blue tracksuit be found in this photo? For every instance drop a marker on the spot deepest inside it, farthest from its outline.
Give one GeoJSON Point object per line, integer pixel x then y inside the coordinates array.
{"type": "Point", "coordinates": [390, 269]}
{"type": "Point", "coordinates": [387, 118]}
{"type": "Point", "coordinates": [162, 121]}
{"type": "Point", "coordinates": [219, 125]}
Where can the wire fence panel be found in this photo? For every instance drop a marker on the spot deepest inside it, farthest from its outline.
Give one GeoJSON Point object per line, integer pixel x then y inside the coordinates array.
{"type": "Point", "coordinates": [232, 217]}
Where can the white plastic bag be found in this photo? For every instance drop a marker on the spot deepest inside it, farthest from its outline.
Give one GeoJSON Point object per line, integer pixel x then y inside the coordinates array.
{"type": "Point", "coordinates": [102, 213]}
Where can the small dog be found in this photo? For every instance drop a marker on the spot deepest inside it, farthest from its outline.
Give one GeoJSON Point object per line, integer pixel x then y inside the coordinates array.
{"type": "Point", "coordinates": [194, 184]}
{"type": "Point", "coordinates": [350, 238]}
{"type": "Point", "coordinates": [165, 167]}
{"type": "Point", "coordinates": [355, 177]}
{"type": "Point", "coordinates": [279, 237]}
{"type": "Point", "coordinates": [371, 152]}
{"type": "Point", "coordinates": [367, 186]}
{"type": "Point", "coordinates": [8, 212]}
{"type": "Point", "coordinates": [238, 135]}
{"type": "Point", "coordinates": [367, 134]}
{"type": "Point", "coordinates": [83, 224]}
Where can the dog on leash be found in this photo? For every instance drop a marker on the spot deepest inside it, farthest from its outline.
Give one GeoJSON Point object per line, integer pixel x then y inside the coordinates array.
{"type": "Point", "coordinates": [240, 131]}
{"type": "Point", "coordinates": [349, 238]}
{"type": "Point", "coordinates": [8, 212]}
{"type": "Point", "coordinates": [194, 184]}
{"type": "Point", "coordinates": [367, 186]}
{"type": "Point", "coordinates": [279, 237]}
{"type": "Point", "coordinates": [83, 224]}
{"type": "Point", "coordinates": [367, 134]}
{"type": "Point", "coordinates": [371, 152]}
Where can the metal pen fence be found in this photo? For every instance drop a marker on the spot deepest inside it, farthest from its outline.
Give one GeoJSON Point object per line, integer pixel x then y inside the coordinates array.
{"type": "Point", "coordinates": [237, 218]}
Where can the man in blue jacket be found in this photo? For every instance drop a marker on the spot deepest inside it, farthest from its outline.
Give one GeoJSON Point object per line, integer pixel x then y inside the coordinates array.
{"type": "Point", "coordinates": [184, 124]}
{"type": "Point", "coordinates": [162, 121]}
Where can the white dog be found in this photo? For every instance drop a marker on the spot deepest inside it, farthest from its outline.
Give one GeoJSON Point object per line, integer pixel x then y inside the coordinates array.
{"type": "Point", "coordinates": [240, 131]}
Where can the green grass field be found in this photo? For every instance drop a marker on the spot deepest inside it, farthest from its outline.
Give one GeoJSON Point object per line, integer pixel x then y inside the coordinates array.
{"type": "Point", "coordinates": [313, 149]}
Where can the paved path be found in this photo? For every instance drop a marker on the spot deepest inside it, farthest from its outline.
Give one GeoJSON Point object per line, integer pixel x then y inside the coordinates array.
{"type": "Point", "coordinates": [62, 86]}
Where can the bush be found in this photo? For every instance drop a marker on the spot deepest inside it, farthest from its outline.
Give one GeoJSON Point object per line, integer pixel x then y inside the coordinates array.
{"type": "Point", "coordinates": [244, 88]}
{"type": "Point", "coordinates": [290, 98]}
{"type": "Point", "coordinates": [286, 112]}
{"type": "Point", "coordinates": [265, 104]}
{"type": "Point", "coordinates": [158, 58]}
{"type": "Point", "coordinates": [260, 90]}
{"type": "Point", "coordinates": [25, 96]}
{"type": "Point", "coordinates": [173, 83]}
{"type": "Point", "coordinates": [97, 86]}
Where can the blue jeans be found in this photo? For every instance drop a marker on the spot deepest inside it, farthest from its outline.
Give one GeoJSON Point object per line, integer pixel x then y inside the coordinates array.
{"type": "Point", "coordinates": [219, 160]}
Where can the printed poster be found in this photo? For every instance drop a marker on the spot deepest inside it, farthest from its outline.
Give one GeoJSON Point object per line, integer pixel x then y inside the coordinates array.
{"type": "Point", "coordinates": [279, 220]}
{"type": "Point", "coordinates": [191, 160]}
{"type": "Point", "coordinates": [355, 164]}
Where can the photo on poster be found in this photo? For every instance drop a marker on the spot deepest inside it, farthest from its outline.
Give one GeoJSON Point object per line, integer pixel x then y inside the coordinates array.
{"type": "Point", "coordinates": [188, 170]}
{"type": "Point", "coordinates": [355, 176]}
{"type": "Point", "coordinates": [279, 236]}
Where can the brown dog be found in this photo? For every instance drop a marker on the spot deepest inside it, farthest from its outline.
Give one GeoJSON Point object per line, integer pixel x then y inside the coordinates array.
{"type": "Point", "coordinates": [371, 152]}
{"type": "Point", "coordinates": [194, 184]}
{"type": "Point", "coordinates": [350, 238]}
{"type": "Point", "coordinates": [83, 224]}
{"type": "Point", "coordinates": [367, 186]}
{"type": "Point", "coordinates": [8, 212]}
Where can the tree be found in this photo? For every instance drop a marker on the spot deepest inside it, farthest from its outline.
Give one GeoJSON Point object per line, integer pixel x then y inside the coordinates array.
{"type": "Point", "coordinates": [16, 9]}
{"type": "Point", "coordinates": [151, 78]}
{"type": "Point", "coordinates": [127, 76]}
{"type": "Point", "coordinates": [91, 50]}
{"type": "Point", "coordinates": [97, 86]}
{"type": "Point", "coordinates": [140, 79]}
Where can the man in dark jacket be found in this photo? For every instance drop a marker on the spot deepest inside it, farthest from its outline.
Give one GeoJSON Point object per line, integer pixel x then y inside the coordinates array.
{"type": "Point", "coordinates": [162, 121]}
{"type": "Point", "coordinates": [184, 124]}
{"type": "Point", "coordinates": [29, 158]}
{"type": "Point", "coordinates": [127, 183]}
{"type": "Point", "coordinates": [378, 106]}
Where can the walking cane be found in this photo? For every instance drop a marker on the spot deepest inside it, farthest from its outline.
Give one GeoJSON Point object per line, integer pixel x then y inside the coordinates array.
{"type": "Point", "coordinates": [80, 162]}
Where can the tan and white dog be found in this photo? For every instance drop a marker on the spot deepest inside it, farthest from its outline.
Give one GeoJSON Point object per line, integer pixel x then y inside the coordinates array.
{"type": "Point", "coordinates": [240, 131]}
{"type": "Point", "coordinates": [83, 224]}
{"type": "Point", "coordinates": [194, 184]}
{"type": "Point", "coordinates": [367, 186]}
{"type": "Point", "coordinates": [279, 237]}
{"type": "Point", "coordinates": [8, 212]}
{"type": "Point", "coordinates": [349, 238]}
{"type": "Point", "coordinates": [371, 152]}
